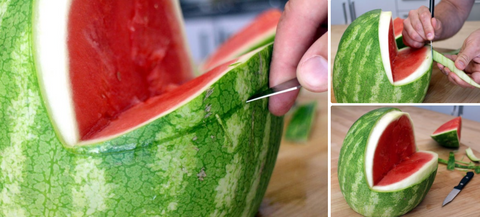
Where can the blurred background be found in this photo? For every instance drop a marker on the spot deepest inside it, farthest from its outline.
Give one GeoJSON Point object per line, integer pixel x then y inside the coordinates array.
{"type": "Point", "coordinates": [346, 11]}
{"type": "Point", "coordinates": [210, 22]}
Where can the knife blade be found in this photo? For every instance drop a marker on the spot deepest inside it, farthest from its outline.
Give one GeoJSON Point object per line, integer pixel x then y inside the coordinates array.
{"type": "Point", "coordinates": [284, 87]}
{"type": "Point", "coordinates": [456, 190]}
{"type": "Point", "coordinates": [432, 6]}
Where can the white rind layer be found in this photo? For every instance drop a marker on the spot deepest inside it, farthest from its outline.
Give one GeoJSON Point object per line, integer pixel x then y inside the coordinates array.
{"type": "Point", "coordinates": [383, 31]}
{"type": "Point", "coordinates": [51, 60]}
{"type": "Point", "coordinates": [420, 71]}
{"type": "Point", "coordinates": [372, 143]}
{"type": "Point", "coordinates": [375, 135]}
{"type": "Point", "coordinates": [417, 177]}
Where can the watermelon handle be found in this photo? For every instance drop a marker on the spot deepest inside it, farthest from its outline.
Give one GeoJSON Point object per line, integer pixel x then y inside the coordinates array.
{"type": "Point", "coordinates": [464, 181]}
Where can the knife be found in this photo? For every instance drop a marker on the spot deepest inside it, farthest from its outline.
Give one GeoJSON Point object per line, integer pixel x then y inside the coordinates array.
{"type": "Point", "coordinates": [284, 87]}
{"type": "Point", "coordinates": [457, 188]}
{"type": "Point", "coordinates": [432, 6]}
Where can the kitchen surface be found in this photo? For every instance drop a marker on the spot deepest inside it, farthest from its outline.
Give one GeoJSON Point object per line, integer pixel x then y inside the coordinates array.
{"type": "Point", "coordinates": [299, 183]}
{"type": "Point", "coordinates": [425, 122]}
{"type": "Point", "coordinates": [440, 90]}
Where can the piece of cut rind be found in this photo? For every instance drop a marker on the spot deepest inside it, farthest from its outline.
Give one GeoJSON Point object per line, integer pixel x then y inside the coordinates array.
{"type": "Point", "coordinates": [440, 58]}
{"type": "Point", "coordinates": [471, 155]}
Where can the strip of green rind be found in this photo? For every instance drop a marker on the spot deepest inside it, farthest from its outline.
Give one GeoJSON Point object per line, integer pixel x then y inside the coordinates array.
{"type": "Point", "coordinates": [300, 125]}
{"type": "Point", "coordinates": [357, 81]}
{"type": "Point", "coordinates": [447, 139]}
{"type": "Point", "coordinates": [471, 155]}
{"type": "Point", "coordinates": [353, 183]}
{"type": "Point", "coordinates": [440, 58]}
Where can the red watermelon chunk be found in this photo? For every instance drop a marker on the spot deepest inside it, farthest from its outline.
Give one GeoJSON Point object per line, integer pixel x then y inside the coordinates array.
{"type": "Point", "coordinates": [448, 134]}
{"type": "Point", "coordinates": [260, 32]}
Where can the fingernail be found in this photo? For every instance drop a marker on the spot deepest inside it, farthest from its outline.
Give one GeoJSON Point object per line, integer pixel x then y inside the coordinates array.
{"type": "Point", "coordinates": [430, 36]}
{"type": "Point", "coordinates": [313, 73]}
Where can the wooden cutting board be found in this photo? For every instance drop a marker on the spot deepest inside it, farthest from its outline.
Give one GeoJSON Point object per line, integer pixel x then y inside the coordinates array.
{"type": "Point", "coordinates": [440, 90]}
{"type": "Point", "coordinates": [425, 122]}
{"type": "Point", "coordinates": [299, 183]}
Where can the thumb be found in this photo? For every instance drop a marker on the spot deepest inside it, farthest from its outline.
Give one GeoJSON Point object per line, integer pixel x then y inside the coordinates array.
{"type": "Point", "coordinates": [312, 72]}
{"type": "Point", "coordinates": [466, 54]}
{"type": "Point", "coordinates": [470, 50]}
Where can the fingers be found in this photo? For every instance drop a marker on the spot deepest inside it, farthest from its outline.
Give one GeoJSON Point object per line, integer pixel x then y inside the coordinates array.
{"type": "Point", "coordinates": [312, 72]}
{"type": "Point", "coordinates": [419, 27]}
{"type": "Point", "coordinates": [470, 51]}
{"type": "Point", "coordinates": [297, 30]}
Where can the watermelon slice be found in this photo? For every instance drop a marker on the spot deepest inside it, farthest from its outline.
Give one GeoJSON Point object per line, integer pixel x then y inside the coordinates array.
{"type": "Point", "coordinates": [398, 28]}
{"type": "Point", "coordinates": [370, 68]}
{"type": "Point", "coordinates": [380, 171]}
{"type": "Point", "coordinates": [448, 135]}
{"type": "Point", "coordinates": [101, 115]}
{"type": "Point", "coordinates": [260, 32]}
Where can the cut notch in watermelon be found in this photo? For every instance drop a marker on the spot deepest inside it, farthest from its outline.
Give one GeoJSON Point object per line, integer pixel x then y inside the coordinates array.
{"type": "Point", "coordinates": [392, 161]}
{"type": "Point", "coordinates": [402, 66]}
{"type": "Point", "coordinates": [144, 73]}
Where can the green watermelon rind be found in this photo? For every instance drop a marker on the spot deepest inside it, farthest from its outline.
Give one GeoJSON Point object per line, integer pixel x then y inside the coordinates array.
{"type": "Point", "coordinates": [353, 182]}
{"type": "Point", "coordinates": [358, 72]}
{"type": "Point", "coordinates": [448, 139]}
{"type": "Point", "coordinates": [196, 172]}
{"type": "Point", "coordinates": [400, 43]}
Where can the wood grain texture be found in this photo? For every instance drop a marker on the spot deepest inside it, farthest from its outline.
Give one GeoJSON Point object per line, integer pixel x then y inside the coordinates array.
{"type": "Point", "coordinates": [440, 90]}
{"type": "Point", "coordinates": [299, 183]}
{"type": "Point", "coordinates": [425, 122]}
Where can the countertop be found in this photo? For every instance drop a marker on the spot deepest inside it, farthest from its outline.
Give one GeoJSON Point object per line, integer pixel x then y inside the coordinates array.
{"type": "Point", "coordinates": [425, 122]}
{"type": "Point", "coordinates": [440, 90]}
{"type": "Point", "coordinates": [299, 183]}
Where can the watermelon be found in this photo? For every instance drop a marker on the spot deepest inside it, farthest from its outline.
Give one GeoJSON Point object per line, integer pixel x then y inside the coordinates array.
{"type": "Point", "coordinates": [448, 135]}
{"type": "Point", "coordinates": [83, 135]}
{"type": "Point", "coordinates": [380, 171]}
{"type": "Point", "coordinates": [260, 32]}
{"type": "Point", "coordinates": [369, 68]}
{"type": "Point", "coordinates": [398, 28]}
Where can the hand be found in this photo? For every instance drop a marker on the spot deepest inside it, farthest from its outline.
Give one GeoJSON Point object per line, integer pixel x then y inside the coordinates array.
{"type": "Point", "coordinates": [300, 49]}
{"type": "Point", "coordinates": [468, 60]}
{"type": "Point", "coordinates": [420, 27]}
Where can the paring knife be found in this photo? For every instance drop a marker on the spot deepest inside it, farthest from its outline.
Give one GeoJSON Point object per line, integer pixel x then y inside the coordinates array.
{"type": "Point", "coordinates": [284, 87]}
{"type": "Point", "coordinates": [432, 6]}
{"type": "Point", "coordinates": [457, 188]}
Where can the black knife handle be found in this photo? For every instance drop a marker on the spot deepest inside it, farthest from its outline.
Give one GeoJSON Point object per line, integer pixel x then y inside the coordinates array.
{"type": "Point", "coordinates": [464, 181]}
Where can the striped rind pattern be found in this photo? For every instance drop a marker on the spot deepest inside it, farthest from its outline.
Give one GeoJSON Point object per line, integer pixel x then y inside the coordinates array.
{"type": "Point", "coordinates": [358, 71]}
{"type": "Point", "coordinates": [447, 139]}
{"type": "Point", "coordinates": [185, 164]}
{"type": "Point", "coordinates": [352, 178]}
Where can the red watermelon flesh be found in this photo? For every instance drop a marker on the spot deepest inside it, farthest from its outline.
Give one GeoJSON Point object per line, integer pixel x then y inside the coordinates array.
{"type": "Point", "coordinates": [398, 26]}
{"type": "Point", "coordinates": [262, 28]}
{"type": "Point", "coordinates": [406, 61]}
{"type": "Point", "coordinates": [395, 156]}
{"type": "Point", "coordinates": [454, 124]}
{"type": "Point", "coordinates": [141, 53]}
